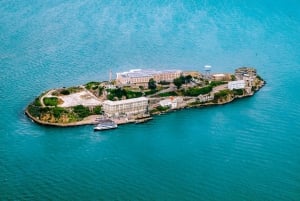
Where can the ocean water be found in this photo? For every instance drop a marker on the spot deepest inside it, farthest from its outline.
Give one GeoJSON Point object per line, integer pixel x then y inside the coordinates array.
{"type": "Point", "coordinates": [246, 150]}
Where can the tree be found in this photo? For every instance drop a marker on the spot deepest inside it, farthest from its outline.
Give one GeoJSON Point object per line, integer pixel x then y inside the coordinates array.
{"type": "Point", "coordinates": [178, 82]}
{"type": "Point", "coordinates": [152, 84]}
{"type": "Point", "coordinates": [188, 78]}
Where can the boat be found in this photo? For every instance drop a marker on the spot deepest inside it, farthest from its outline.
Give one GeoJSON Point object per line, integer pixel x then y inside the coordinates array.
{"type": "Point", "coordinates": [105, 125]}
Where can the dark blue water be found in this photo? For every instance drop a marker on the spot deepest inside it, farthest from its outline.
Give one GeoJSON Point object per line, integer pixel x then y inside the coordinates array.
{"type": "Point", "coordinates": [246, 150]}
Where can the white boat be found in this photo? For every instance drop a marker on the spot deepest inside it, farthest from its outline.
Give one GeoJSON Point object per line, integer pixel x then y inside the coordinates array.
{"type": "Point", "coordinates": [105, 125]}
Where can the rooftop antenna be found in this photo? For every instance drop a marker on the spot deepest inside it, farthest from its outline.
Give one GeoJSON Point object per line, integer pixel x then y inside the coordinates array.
{"type": "Point", "coordinates": [207, 69]}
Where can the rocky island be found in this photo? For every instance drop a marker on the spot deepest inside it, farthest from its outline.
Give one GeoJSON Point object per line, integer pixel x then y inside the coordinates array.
{"type": "Point", "coordinates": [137, 95]}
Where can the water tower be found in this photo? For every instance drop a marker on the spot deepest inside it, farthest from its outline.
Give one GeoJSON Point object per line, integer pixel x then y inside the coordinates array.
{"type": "Point", "coordinates": [207, 69]}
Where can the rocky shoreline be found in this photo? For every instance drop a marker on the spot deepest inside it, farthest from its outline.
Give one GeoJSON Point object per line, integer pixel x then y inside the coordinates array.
{"type": "Point", "coordinates": [83, 105]}
{"type": "Point", "coordinates": [91, 120]}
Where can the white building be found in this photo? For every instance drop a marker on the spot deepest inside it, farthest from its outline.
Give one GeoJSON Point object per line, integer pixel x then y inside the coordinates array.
{"type": "Point", "coordinates": [128, 106]}
{"type": "Point", "coordinates": [205, 97]}
{"type": "Point", "coordinates": [240, 84]}
{"type": "Point", "coordinates": [142, 77]}
{"type": "Point", "coordinates": [171, 102]}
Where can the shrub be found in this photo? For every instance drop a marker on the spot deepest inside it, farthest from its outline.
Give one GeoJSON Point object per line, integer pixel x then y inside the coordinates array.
{"type": "Point", "coordinates": [162, 108]}
{"type": "Point", "coordinates": [171, 93]}
{"type": "Point", "coordinates": [97, 110]}
{"type": "Point", "coordinates": [119, 93]}
{"type": "Point", "coordinates": [65, 92]}
{"type": "Point", "coordinates": [233, 78]}
{"type": "Point", "coordinates": [163, 82]}
{"type": "Point", "coordinates": [50, 101]}
{"type": "Point", "coordinates": [221, 94]}
{"type": "Point", "coordinates": [133, 94]}
{"type": "Point", "coordinates": [238, 92]}
{"type": "Point", "coordinates": [116, 93]}
{"type": "Point", "coordinates": [197, 91]}
{"type": "Point", "coordinates": [57, 111]}
{"type": "Point", "coordinates": [178, 81]}
{"type": "Point", "coordinates": [34, 111]}
{"type": "Point", "coordinates": [81, 111]}
{"type": "Point", "coordinates": [152, 84]}
{"type": "Point", "coordinates": [90, 85]}
{"type": "Point", "coordinates": [216, 83]}
{"type": "Point", "coordinates": [258, 77]}
{"type": "Point", "coordinates": [37, 102]}
{"type": "Point", "coordinates": [100, 90]}
{"type": "Point", "coordinates": [147, 93]}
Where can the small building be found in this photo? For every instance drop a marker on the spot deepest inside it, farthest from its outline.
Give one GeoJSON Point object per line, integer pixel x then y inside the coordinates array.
{"type": "Point", "coordinates": [171, 102]}
{"type": "Point", "coordinates": [128, 106]}
{"type": "Point", "coordinates": [219, 77]}
{"type": "Point", "coordinates": [240, 84]}
{"type": "Point", "coordinates": [245, 71]}
{"type": "Point", "coordinates": [205, 97]}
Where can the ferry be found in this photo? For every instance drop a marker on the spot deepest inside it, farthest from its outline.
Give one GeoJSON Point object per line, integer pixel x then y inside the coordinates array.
{"type": "Point", "coordinates": [105, 125]}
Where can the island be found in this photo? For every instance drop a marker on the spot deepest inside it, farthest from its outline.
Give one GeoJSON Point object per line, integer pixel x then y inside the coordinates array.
{"type": "Point", "coordinates": [137, 95]}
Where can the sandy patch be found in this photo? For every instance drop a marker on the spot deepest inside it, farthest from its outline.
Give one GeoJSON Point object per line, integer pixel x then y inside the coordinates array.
{"type": "Point", "coordinates": [81, 98]}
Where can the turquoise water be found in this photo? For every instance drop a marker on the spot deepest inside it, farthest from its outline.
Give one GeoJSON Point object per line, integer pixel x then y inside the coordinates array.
{"type": "Point", "coordinates": [246, 150]}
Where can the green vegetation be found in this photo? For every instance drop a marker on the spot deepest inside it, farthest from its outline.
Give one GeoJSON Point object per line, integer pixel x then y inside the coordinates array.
{"type": "Point", "coordinates": [65, 92]}
{"type": "Point", "coordinates": [221, 94]}
{"type": "Point", "coordinates": [34, 110]}
{"type": "Point", "coordinates": [152, 84]}
{"type": "Point", "coordinates": [52, 113]}
{"type": "Point", "coordinates": [92, 85]}
{"type": "Point", "coordinates": [258, 77]}
{"type": "Point", "coordinates": [163, 82]}
{"type": "Point", "coordinates": [37, 102]}
{"type": "Point", "coordinates": [119, 93]}
{"type": "Point", "coordinates": [160, 109]}
{"type": "Point", "coordinates": [147, 93]}
{"type": "Point", "coordinates": [100, 90]}
{"type": "Point", "coordinates": [171, 93]}
{"type": "Point", "coordinates": [50, 101]}
{"type": "Point", "coordinates": [195, 91]}
{"type": "Point", "coordinates": [112, 93]}
{"type": "Point", "coordinates": [133, 94]}
{"type": "Point", "coordinates": [238, 92]}
{"type": "Point", "coordinates": [178, 82]}
{"type": "Point", "coordinates": [81, 111]}
{"type": "Point", "coordinates": [68, 91]}
{"type": "Point", "coordinates": [97, 110]}
{"type": "Point", "coordinates": [216, 83]}
{"type": "Point", "coordinates": [233, 78]}
{"type": "Point", "coordinates": [58, 111]}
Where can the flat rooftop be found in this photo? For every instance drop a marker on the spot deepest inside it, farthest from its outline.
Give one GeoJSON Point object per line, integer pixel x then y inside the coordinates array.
{"type": "Point", "coordinates": [120, 102]}
{"type": "Point", "coordinates": [145, 73]}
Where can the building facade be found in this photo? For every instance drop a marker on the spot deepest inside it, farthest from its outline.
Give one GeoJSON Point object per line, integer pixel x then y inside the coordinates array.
{"type": "Point", "coordinates": [141, 77]}
{"type": "Point", "coordinates": [245, 71]}
{"type": "Point", "coordinates": [128, 106]}
{"type": "Point", "coordinates": [240, 84]}
{"type": "Point", "coordinates": [172, 102]}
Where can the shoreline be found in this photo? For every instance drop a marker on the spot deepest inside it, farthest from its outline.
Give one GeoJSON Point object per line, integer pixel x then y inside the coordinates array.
{"type": "Point", "coordinates": [124, 102]}
{"type": "Point", "coordinates": [91, 120]}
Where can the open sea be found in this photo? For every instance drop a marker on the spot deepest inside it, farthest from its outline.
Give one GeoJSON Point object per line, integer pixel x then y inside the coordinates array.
{"type": "Point", "coordinates": [246, 150]}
